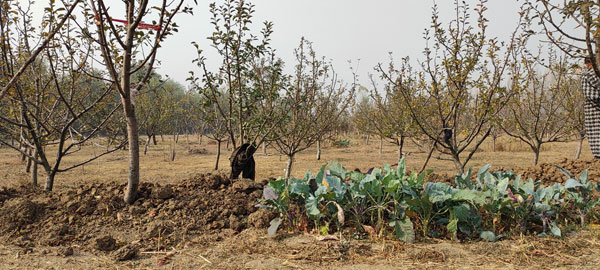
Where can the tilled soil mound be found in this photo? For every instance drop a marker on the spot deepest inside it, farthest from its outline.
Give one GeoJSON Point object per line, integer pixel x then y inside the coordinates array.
{"type": "Point", "coordinates": [95, 218]}
{"type": "Point", "coordinates": [548, 173]}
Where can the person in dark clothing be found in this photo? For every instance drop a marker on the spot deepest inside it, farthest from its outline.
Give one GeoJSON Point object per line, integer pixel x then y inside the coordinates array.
{"type": "Point", "coordinates": [242, 161]}
{"type": "Point", "coordinates": [590, 85]}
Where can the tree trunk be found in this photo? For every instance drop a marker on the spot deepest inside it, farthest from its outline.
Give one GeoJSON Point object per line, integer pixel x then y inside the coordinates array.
{"type": "Point", "coordinates": [146, 144]}
{"type": "Point", "coordinates": [536, 152]}
{"type": "Point", "coordinates": [23, 156]}
{"type": "Point", "coordinates": [579, 146]}
{"type": "Point", "coordinates": [400, 146]}
{"type": "Point", "coordinates": [264, 148]}
{"type": "Point", "coordinates": [173, 152]}
{"type": "Point", "coordinates": [134, 158]}
{"type": "Point", "coordinates": [227, 145]}
{"type": "Point", "coordinates": [381, 146]}
{"type": "Point", "coordinates": [218, 154]}
{"type": "Point", "coordinates": [162, 139]}
{"type": "Point", "coordinates": [288, 171]}
{"type": "Point", "coordinates": [367, 139]}
{"type": "Point", "coordinates": [29, 161]}
{"type": "Point", "coordinates": [318, 149]}
{"type": "Point", "coordinates": [494, 144]}
{"type": "Point", "coordinates": [34, 170]}
{"type": "Point", "coordinates": [49, 181]}
{"type": "Point", "coordinates": [154, 139]}
{"type": "Point", "coordinates": [400, 143]}
{"type": "Point", "coordinates": [460, 168]}
{"type": "Point", "coordinates": [428, 157]}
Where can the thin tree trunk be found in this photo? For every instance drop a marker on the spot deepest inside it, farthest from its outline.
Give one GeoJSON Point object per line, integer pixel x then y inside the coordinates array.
{"type": "Point", "coordinates": [579, 146]}
{"type": "Point", "coordinates": [381, 146]}
{"type": "Point", "coordinates": [154, 139]}
{"type": "Point", "coordinates": [460, 168]}
{"type": "Point", "coordinates": [367, 139]}
{"type": "Point", "coordinates": [218, 154]}
{"type": "Point", "coordinates": [134, 158]}
{"type": "Point", "coordinates": [173, 152]}
{"type": "Point", "coordinates": [318, 149]}
{"type": "Point", "coordinates": [23, 156]}
{"type": "Point", "coordinates": [428, 158]}
{"type": "Point", "coordinates": [494, 144]}
{"type": "Point", "coordinates": [227, 145]}
{"type": "Point", "coordinates": [536, 152]}
{"type": "Point", "coordinates": [400, 146]}
{"type": "Point", "coordinates": [288, 171]}
{"type": "Point", "coordinates": [34, 179]}
{"type": "Point", "coordinates": [264, 148]}
{"type": "Point", "coordinates": [162, 139]}
{"type": "Point", "coordinates": [29, 161]}
{"type": "Point", "coordinates": [49, 181]}
{"type": "Point", "coordinates": [146, 144]}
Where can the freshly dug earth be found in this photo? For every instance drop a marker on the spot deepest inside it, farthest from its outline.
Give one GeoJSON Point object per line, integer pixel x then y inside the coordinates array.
{"type": "Point", "coordinates": [548, 173]}
{"type": "Point", "coordinates": [210, 222]}
{"type": "Point", "coordinates": [96, 218]}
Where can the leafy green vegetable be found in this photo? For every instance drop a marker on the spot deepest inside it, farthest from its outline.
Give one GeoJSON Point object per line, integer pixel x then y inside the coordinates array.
{"type": "Point", "coordinates": [395, 202]}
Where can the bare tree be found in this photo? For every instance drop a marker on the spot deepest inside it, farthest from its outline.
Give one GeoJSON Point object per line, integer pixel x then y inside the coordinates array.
{"type": "Point", "coordinates": [536, 115]}
{"type": "Point", "coordinates": [362, 115]}
{"type": "Point", "coordinates": [12, 72]}
{"type": "Point", "coordinates": [316, 100]}
{"type": "Point", "coordinates": [58, 105]}
{"type": "Point", "coordinates": [216, 125]}
{"type": "Point", "coordinates": [391, 118]}
{"type": "Point", "coordinates": [121, 47]}
{"type": "Point", "coordinates": [250, 73]}
{"type": "Point", "coordinates": [573, 26]}
{"type": "Point", "coordinates": [460, 83]}
{"type": "Point", "coordinates": [572, 99]}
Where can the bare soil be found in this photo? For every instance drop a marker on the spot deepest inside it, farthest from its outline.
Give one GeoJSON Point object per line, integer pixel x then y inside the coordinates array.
{"type": "Point", "coordinates": [210, 222]}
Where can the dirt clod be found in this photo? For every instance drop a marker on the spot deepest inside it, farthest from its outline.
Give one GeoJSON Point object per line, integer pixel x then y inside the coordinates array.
{"type": "Point", "coordinates": [164, 193]}
{"type": "Point", "coordinates": [65, 251]}
{"type": "Point", "coordinates": [157, 229]}
{"type": "Point", "coordinates": [245, 185]}
{"type": "Point", "coordinates": [125, 253]}
{"type": "Point", "coordinates": [261, 218]}
{"type": "Point", "coordinates": [106, 243]}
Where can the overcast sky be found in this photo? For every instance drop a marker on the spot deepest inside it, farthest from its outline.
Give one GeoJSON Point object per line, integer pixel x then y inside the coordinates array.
{"type": "Point", "coordinates": [340, 30]}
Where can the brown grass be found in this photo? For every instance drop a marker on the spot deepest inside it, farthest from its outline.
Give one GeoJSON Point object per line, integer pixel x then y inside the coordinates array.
{"type": "Point", "coordinates": [193, 157]}
{"type": "Point", "coordinates": [251, 249]}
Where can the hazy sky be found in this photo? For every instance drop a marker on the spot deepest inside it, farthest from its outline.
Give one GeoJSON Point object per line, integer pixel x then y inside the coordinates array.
{"type": "Point", "coordinates": [340, 30]}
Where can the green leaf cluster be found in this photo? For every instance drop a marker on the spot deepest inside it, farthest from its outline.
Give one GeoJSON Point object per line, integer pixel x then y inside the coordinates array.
{"type": "Point", "coordinates": [487, 206]}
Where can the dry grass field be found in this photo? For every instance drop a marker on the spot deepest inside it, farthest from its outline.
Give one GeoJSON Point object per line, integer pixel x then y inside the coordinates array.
{"type": "Point", "coordinates": [62, 227]}
{"type": "Point", "coordinates": [193, 158]}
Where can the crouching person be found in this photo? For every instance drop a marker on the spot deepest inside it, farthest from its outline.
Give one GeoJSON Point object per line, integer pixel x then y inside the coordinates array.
{"type": "Point", "coordinates": [242, 161]}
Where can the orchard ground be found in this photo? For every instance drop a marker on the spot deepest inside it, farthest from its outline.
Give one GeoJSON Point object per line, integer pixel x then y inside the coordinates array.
{"type": "Point", "coordinates": [188, 219]}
